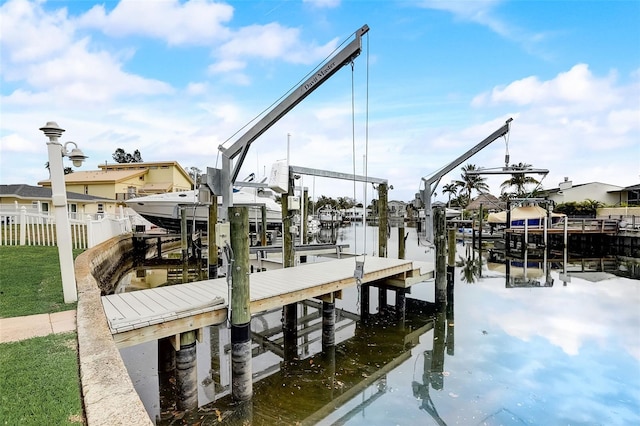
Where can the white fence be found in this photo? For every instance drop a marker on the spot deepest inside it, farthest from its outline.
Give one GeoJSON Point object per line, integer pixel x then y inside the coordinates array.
{"type": "Point", "coordinates": [20, 227]}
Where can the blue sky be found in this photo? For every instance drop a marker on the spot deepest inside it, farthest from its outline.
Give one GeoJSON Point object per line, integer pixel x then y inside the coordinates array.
{"type": "Point", "coordinates": [175, 79]}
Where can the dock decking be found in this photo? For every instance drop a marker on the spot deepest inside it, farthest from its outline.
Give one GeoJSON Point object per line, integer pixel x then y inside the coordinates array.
{"type": "Point", "coordinates": [144, 315]}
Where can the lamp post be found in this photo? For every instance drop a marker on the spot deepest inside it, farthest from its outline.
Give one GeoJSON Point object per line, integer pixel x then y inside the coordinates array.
{"type": "Point", "coordinates": [59, 198]}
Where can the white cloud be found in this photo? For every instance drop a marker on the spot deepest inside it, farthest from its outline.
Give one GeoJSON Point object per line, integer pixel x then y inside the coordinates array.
{"type": "Point", "coordinates": [577, 87]}
{"type": "Point", "coordinates": [196, 22]}
{"type": "Point", "coordinates": [323, 4]}
{"type": "Point", "coordinates": [272, 41]}
{"type": "Point", "coordinates": [31, 34]}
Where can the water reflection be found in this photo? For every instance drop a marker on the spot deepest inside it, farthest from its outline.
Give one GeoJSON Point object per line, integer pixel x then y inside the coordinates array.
{"type": "Point", "coordinates": [568, 354]}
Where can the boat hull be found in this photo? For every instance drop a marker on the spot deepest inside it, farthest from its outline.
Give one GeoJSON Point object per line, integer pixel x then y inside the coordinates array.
{"type": "Point", "coordinates": [164, 210]}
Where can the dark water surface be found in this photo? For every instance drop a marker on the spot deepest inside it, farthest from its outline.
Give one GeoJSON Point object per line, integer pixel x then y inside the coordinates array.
{"type": "Point", "coordinates": [555, 344]}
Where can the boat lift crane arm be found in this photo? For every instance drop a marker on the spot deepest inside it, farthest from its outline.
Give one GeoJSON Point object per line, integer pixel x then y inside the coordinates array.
{"type": "Point", "coordinates": [241, 146]}
{"type": "Point", "coordinates": [427, 192]}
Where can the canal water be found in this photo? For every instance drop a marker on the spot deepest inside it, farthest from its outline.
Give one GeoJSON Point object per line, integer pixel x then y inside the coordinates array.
{"type": "Point", "coordinates": [523, 343]}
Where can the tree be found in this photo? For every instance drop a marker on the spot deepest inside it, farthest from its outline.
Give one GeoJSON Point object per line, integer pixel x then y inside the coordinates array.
{"type": "Point", "coordinates": [451, 189]}
{"type": "Point", "coordinates": [120, 156]}
{"type": "Point", "coordinates": [345, 203]}
{"type": "Point", "coordinates": [470, 183]}
{"type": "Point", "coordinates": [194, 173]}
{"type": "Point", "coordinates": [519, 180]}
{"type": "Point", "coordinates": [66, 170]}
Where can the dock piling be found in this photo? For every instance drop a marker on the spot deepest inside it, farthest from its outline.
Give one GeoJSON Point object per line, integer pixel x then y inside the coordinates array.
{"type": "Point", "coordinates": [241, 384]}
{"type": "Point", "coordinates": [186, 372]}
{"type": "Point", "coordinates": [439, 224]}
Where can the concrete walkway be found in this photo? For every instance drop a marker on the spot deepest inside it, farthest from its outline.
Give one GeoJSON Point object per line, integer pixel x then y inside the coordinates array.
{"type": "Point", "coordinates": [20, 328]}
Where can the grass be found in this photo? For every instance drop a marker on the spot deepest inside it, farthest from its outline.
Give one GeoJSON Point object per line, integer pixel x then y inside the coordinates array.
{"type": "Point", "coordinates": [40, 381]}
{"type": "Point", "coordinates": [30, 281]}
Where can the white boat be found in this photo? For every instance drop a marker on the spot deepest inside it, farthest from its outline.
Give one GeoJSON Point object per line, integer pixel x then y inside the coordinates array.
{"type": "Point", "coordinates": [533, 215]}
{"type": "Point", "coordinates": [329, 217]}
{"type": "Point", "coordinates": [163, 210]}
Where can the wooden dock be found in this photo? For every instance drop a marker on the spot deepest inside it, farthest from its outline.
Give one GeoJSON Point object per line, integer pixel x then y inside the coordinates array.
{"type": "Point", "coordinates": [150, 314]}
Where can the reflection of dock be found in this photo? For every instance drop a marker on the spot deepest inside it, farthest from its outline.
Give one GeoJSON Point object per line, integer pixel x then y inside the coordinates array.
{"type": "Point", "coordinates": [151, 314]}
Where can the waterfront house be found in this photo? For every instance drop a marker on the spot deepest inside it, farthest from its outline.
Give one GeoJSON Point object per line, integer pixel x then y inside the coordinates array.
{"type": "Point", "coordinates": [568, 192]}
{"type": "Point", "coordinates": [37, 199]}
{"type": "Point", "coordinates": [122, 181]}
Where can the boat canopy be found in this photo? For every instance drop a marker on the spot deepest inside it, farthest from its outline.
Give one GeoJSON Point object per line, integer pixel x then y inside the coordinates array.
{"type": "Point", "coordinates": [520, 214]}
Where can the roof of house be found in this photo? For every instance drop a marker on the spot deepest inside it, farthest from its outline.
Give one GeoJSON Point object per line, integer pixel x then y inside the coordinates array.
{"type": "Point", "coordinates": [488, 201]}
{"type": "Point", "coordinates": [98, 176]}
{"type": "Point", "coordinates": [146, 165]}
{"type": "Point", "coordinates": [29, 192]}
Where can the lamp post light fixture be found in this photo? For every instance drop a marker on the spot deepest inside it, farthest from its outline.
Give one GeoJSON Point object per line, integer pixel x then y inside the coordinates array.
{"type": "Point", "coordinates": [59, 199]}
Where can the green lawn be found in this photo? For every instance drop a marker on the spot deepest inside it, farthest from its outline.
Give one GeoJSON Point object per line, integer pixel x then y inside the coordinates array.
{"type": "Point", "coordinates": [30, 281]}
{"type": "Point", "coordinates": [40, 382]}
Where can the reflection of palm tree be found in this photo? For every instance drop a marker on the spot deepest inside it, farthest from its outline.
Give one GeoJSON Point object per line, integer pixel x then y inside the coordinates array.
{"type": "Point", "coordinates": [519, 180]}
{"type": "Point", "coordinates": [471, 268]}
{"type": "Point", "coordinates": [470, 183]}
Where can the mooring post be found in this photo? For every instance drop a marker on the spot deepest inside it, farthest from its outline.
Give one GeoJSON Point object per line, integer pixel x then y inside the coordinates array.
{"type": "Point", "coordinates": [401, 242]}
{"type": "Point", "coordinates": [263, 227]}
{"type": "Point", "coordinates": [382, 298]}
{"type": "Point", "coordinates": [289, 312]}
{"type": "Point", "coordinates": [451, 264]}
{"type": "Point", "coordinates": [328, 321]}
{"type": "Point", "coordinates": [439, 224]}
{"type": "Point", "coordinates": [184, 244]}
{"type": "Point", "coordinates": [480, 220]}
{"type": "Point", "coordinates": [364, 301]}
{"type": "Point", "coordinates": [507, 231]}
{"type": "Point", "coordinates": [305, 216]}
{"type": "Point", "coordinates": [186, 372]}
{"type": "Point", "coordinates": [212, 253]}
{"type": "Point", "coordinates": [401, 305]}
{"type": "Point", "coordinates": [241, 385]}
{"type": "Point", "coordinates": [437, 360]}
{"type": "Point", "coordinates": [166, 373]}
{"type": "Point", "coordinates": [383, 222]}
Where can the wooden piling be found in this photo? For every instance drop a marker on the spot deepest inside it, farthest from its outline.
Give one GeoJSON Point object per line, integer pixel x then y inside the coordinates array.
{"type": "Point", "coordinates": [290, 331]}
{"type": "Point", "coordinates": [439, 224]}
{"type": "Point", "coordinates": [187, 373]}
{"type": "Point", "coordinates": [305, 216]}
{"type": "Point", "coordinates": [401, 242]}
{"type": "Point", "coordinates": [166, 373]}
{"type": "Point", "coordinates": [212, 254]}
{"type": "Point", "coordinates": [241, 384]}
{"type": "Point", "coordinates": [383, 221]}
{"type": "Point", "coordinates": [263, 227]}
{"type": "Point", "coordinates": [287, 237]}
{"type": "Point", "coordinates": [328, 322]}
{"type": "Point", "coordinates": [184, 244]}
{"type": "Point", "coordinates": [364, 301]}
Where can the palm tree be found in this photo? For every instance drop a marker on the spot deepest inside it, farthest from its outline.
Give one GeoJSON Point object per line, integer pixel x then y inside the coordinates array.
{"type": "Point", "coordinates": [451, 189]}
{"type": "Point", "coordinates": [470, 183]}
{"type": "Point", "coordinates": [519, 180]}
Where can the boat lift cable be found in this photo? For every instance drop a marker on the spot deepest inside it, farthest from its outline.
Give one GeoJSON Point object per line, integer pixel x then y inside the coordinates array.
{"type": "Point", "coordinates": [359, 265]}
{"type": "Point", "coordinates": [291, 89]}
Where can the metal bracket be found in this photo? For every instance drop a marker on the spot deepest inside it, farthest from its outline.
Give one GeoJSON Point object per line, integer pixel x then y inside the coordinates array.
{"type": "Point", "coordinates": [358, 273]}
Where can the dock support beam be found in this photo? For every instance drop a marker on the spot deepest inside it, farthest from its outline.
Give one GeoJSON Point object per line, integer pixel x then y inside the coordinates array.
{"type": "Point", "coordinates": [328, 322]}
{"type": "Point", "coordinates": [383, 222]}
{"type": "Point", "coordinates": [186, 372]}
{"type": "Point", "coordinates": [439, 224]}
{"type": "Point", "coordinates": [290, 331]}
{"type": "Point", "coordinates": [241, 385]}
{"type": "Point", "coordinates": [212, 254]}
